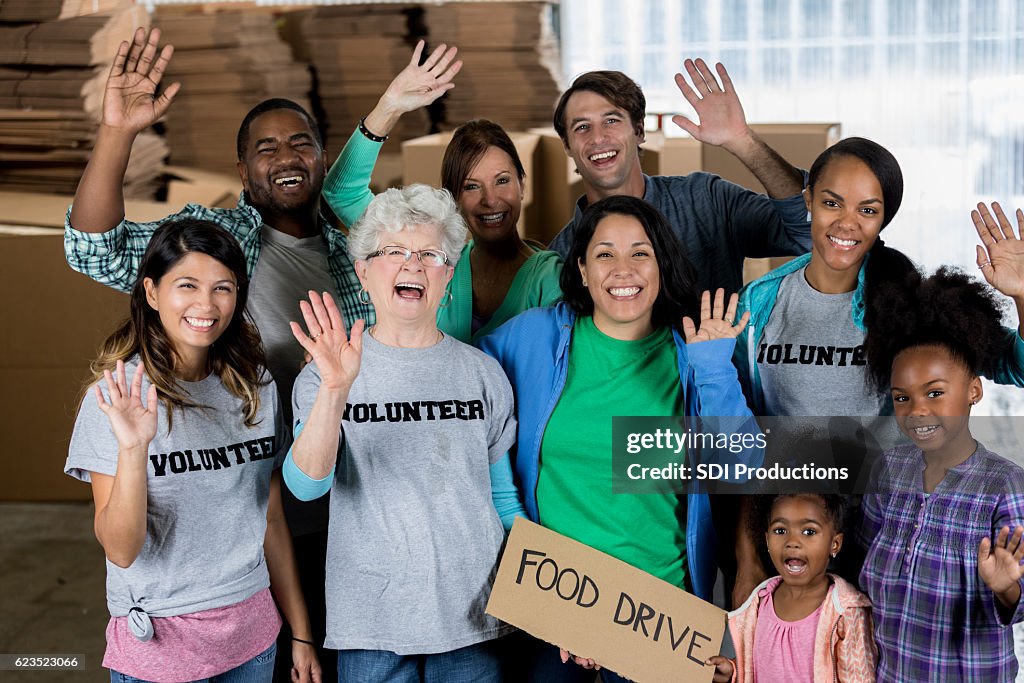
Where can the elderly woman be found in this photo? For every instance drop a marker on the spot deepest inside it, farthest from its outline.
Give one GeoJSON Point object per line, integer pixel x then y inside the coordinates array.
{"type": "Point", "coordinates": [409, 429]}
{"type": "Point", "coordinates": [499, 274]}
{"type": "Point", "coordinates": [623, 342]}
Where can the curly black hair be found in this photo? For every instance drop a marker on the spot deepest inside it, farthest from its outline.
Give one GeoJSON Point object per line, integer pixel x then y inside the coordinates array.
{"type": "Point", "coordinates": [948, 309]}
{"type": "Point", "coordinates": [833, 504]}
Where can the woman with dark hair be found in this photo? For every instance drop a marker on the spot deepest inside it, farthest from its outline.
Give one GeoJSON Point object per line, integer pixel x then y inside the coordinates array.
{"type": "Point", "coordinates": [499, 274]}
{"type": "Point", "coordinates": [182, 465]}
{"type": "Point", "coordinates": [623, 342]}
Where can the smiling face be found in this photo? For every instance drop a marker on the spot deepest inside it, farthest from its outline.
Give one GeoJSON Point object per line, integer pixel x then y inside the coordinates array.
{"type": "Point", "coordinates": [491, 197]}
{"type": "Point", "coordinates": [846, 217]}
{"type": "Point", "coordinates": [621, 274]}
{"type": "Point", "coordinates": [195, 300]}
{"type": "Point", "coordinates": [406, 293]}
{"type": "Point", "coordinates": [932, 394]}
{"type": "Point", "coordinates": [603, 142]}
{"type": "Point", "coordinates": [284, 166]}
{"type": "Point", "coordinates": [801, 537]}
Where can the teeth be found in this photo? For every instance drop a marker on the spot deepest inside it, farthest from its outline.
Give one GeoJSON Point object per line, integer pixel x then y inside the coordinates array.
{"type": "Point", "coordinates": [199, 322]}
{"type": "Point", "coordinates": [492, 217]}
{"type": "Point", "coordinates": [290, 180]}
{"type": "Point", "coordinates": [624, 291]}
{"type": "Point", "coordinates": [843, 243]}
{"type": "Point", "coordinates": [924, 431]}
{"type": "Point", "coordinates": [602, 155]}
{"type": "Point", "coordinates": [410, 285]}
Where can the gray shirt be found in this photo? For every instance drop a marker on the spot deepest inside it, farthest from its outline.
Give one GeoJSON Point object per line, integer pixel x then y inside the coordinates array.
{"type": "Point", "coordinates": [288, 268]}
{"type": "Point", "coordinates": [414, 537]}
{"type": "Point", "coordinates": [809, 344]}
{"type": "Point", "coordinates": [207, 483]}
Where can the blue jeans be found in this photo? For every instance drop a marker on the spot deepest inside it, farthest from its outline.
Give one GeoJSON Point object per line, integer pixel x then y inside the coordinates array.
{"type": "Point", "coordinates": [533, 660]}
{"type": "Point", "coordinates": [259, 669]}
{"type": "Point", "coordinates": [471, 664]}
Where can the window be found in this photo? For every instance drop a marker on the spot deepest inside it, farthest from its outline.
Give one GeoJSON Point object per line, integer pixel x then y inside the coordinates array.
{"type": "Point", "coordinates": [734, 20]}
{"type": "Point", "coordinates": [902, 18]}
{"type": "Point", "coordinates": [856, 18]}
{"type": "Point", "coordinates": [776, 19]}
{"type": "Point", "coordinates": [815, 63]}
{"type": "Point", "coordinates": [815, 18]}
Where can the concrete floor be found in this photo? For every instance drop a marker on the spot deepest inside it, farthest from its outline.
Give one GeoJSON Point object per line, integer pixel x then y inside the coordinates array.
{"type": "Point", "coordinates": [51, 589]}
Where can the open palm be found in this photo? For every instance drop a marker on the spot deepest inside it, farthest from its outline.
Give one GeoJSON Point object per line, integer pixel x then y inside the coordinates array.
{"type": "Point", "coordinates": [130, 100]}
{"type": "Point", "coordinates": [338, 357]}
{"type": "Point", "coordinates": [133, 424]}
{"type": "Point", "coordinates": [716, 320]}
{"type": "Point", "coordinates": [1001, 254]}
{"type": "Point", "coordinates": [999, 563]}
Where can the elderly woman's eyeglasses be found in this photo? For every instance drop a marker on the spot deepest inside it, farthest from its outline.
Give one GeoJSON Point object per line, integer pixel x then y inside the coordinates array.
{"type": "Point", "coordinates": [431, 258]}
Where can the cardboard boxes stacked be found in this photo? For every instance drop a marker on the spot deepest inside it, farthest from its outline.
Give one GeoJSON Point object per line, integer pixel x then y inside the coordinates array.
{"type": "Point", "coordinates": [511, 61]}
{"type": "Point", "coordinates": [227, 63]}
{"type": "Point", "coordinates": [52, 72]}
{"type": "Point", "coordinates": [355, 51]}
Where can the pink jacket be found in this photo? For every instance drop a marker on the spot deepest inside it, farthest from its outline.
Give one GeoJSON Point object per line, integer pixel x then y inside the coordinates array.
{"type": "Point", "coordinates": [844, 649]}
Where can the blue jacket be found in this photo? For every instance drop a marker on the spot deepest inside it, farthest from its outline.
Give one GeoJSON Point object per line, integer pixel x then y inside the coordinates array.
{"type": "Point", "coordinates": [533, 348]}
{"type": "Point", "coordinates": [759, 297]}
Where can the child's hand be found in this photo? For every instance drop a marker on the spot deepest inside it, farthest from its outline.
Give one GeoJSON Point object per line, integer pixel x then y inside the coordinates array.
{"type": "Point", "coordinates": [999, 566]}
{"type": "Point", "coordinates": [565, 655]}
{"type": "Point", "coordinates": [723, 668]}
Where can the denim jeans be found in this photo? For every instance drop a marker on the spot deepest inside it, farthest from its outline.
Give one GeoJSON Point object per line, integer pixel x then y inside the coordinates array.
{"type": "Point", "coordinates": [259, 669]}
{"type": "Point", "coordinates": [532, 660]}
{"type": "Point", "coordinates": [472, 664]}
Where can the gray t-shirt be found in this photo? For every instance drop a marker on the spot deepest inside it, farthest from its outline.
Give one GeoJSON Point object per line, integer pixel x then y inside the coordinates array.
{"type": "Point", "coordinates": [811, 357]}
{"type": "Point", "coordinates": [287, 269]}
{"type": "Point", "coordinates": [207, 483]}
{"type": "Point", "coordinates": [414, 537]}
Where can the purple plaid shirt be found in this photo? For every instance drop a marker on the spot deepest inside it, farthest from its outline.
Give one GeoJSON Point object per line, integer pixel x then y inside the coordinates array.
{"type": "Point", "coordinates": [935, 619]}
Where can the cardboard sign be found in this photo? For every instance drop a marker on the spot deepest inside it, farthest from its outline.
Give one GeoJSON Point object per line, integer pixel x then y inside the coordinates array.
{"type": "Point", "coordinates": [603, 609]}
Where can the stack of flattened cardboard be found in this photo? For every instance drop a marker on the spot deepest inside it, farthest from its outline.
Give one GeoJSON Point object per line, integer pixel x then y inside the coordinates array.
{"type": "Point", "coordinates": [511, 58]}
{"type": "Point", "coordinates": [227, 63]}
{"type": "Point", "coordinates": [52, 75]}
{"type": "Point", "coordinates": [356, 50]}
{"type": "Point", "coordinates": [48, 10]}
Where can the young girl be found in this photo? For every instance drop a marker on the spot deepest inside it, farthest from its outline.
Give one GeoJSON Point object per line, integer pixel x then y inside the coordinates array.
{"type": "Point", "coordinates": [945, 593]}
{"type": "Point", "coordinates": [180, 458]}
{"type": "Point", "coordinates": [805, 624]}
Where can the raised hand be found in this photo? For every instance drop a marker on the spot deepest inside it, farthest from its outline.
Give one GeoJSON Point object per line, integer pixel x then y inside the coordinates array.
{"type": "Point", "coordinates": [130, 101]}
{"type": "Point", "coordinates": [722, 120]}
{"type": "Point", "coordinates": [999, 564]}
{"type": "Point", "coordinates": [337, 356]}
{"type": "Point", "coordinates": [417, 85]}
{"type": "Point", "coordinates": [716, 322]}
{"type": "Point", "coordinates": [133, 423]}
{"type": "Point", "coordinates": [1001, 259]}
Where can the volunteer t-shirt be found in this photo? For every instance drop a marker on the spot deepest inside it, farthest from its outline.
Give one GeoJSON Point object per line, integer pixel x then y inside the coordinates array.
{"type": "Point", "coordinates": [414, 537]}
{"type": "Point", "coordinates": [207, 486]}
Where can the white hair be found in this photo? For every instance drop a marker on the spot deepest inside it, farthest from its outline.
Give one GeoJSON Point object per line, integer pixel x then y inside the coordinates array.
{"type": "Point", "coordinates": [399, 209]}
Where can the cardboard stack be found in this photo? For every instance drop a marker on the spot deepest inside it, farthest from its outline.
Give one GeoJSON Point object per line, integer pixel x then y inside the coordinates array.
{"type": "Point", "coordinates": [510, 61]}
{"type": "Point", "coordinates": [227, 63]}
{"type": "Point", "coordinates": [356, 50]}
{"type": "Point", "coordinates": [52, 74]}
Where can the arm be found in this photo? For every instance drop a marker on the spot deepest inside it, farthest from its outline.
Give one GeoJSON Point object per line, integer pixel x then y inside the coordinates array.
{"type": "Point", "coordinates": [346, 189]}
{"type": "Point", "coordinates": [121, 500]}
{"type": "Point", "coordinates": [723, 123]}
{"type": "Point", "coordinates": [504, 492]}
{"type": "Point", "coordinates": [337, 358]}
{"type": "Point", "coordinates": [856, 656]}
{"type": "Point", "coordinates": [130, 105]}
{"type": "Point", "coordinates": [284, 584]}
{"type": "Point", "coordinates": [1001, 260]}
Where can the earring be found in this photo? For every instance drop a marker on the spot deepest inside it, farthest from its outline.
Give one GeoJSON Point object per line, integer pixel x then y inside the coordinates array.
{"type": "Point", "coordinates": [834, 555]}
{"type": "Point", "coordinates": [584, 282]}
{"type": "Point", "coordinates": [446, 300]}
{"type": "Point", "coordinates": [974, 403]}
{"type": "Point", "coordinates": [364, 300]}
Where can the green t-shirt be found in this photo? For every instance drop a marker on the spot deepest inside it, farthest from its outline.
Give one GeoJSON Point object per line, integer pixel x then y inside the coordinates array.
{"type": "Point", "coordinates": [609, 377]}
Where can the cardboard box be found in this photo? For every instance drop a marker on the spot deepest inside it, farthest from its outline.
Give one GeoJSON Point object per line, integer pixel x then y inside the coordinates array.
{"type": "Point", "coordinates": [670, 156]}
{"type": "Point", "coordinates": [601, 608]}
{"type": "Point", "coordinates": [556, 173]}
{"type": "Point", "coordinates": [57, 320]}
{"type": "Point", "coordinates": [421, 163]}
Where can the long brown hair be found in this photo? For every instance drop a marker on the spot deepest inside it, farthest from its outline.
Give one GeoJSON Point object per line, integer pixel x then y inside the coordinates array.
{"type": "Point", "coordinates": [237, 355]}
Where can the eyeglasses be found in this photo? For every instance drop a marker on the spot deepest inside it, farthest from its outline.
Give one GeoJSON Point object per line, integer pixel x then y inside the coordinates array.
{"type": "Point", "coordinates": [430, 258]}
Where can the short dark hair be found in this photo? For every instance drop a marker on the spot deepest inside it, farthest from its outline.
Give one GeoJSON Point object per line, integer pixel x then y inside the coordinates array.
{"type": "Point", "coordinates": [468, 144]}
{"type": "Point", "coordinates": [614, 86]}
{"type": "Point", "coordinates": [833, 504]}
{"type": "Point", "coordinates": [677, 296]}
{"type": "Point", "coordinates": [263, 107]}
{"type": "Point", "coordinates": [948, 310]}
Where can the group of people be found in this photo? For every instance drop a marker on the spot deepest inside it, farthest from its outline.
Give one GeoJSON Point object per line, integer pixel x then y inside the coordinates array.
{"type": "Point", "coordinates": [439, 376]}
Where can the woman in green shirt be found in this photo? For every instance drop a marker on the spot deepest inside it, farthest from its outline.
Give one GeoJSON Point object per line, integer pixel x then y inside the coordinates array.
{"type": "Point", "coordinates": [498, 275]}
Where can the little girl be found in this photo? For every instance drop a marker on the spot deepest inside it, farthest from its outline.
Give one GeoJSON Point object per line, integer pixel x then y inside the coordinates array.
{"type": "Point", "coordinates": [805, 624]}
{"type": "Point", "coordinates": [179, 437]}
{"type": "Point", "coordinates": [945, 593]}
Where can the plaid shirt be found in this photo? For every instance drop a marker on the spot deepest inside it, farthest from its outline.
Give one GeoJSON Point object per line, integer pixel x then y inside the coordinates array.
{"type": "Point", "coordinates": [935, 619]}
{"type": "Point", "coordinates": [112, 258]}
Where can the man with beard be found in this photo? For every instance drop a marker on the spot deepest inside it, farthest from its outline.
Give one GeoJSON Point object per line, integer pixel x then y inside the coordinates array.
{"type": "Point", "coordinates": [289, 247]}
